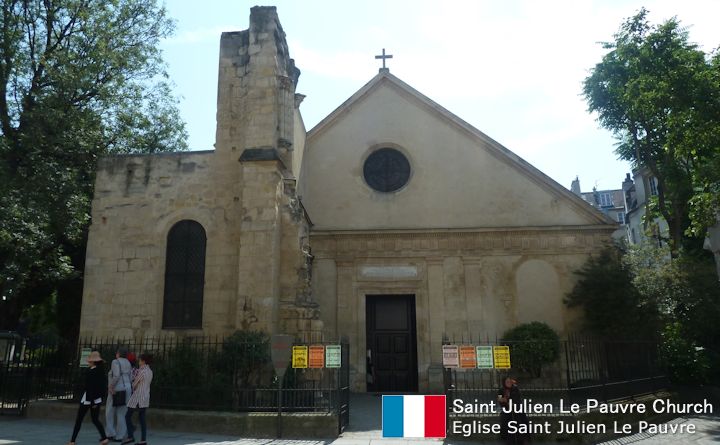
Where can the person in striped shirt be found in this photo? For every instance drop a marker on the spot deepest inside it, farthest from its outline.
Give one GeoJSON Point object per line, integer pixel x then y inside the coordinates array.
{"type": "Point", "coordinates": [139, 400]}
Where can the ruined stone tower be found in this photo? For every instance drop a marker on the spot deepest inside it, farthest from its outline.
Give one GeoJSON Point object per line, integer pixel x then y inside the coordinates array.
{"type": "Point", "coordinates": [256, 263]}
{"type": "Point", "coordinates": [259, 125]}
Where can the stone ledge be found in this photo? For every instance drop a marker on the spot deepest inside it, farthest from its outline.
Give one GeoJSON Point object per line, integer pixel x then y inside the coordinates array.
{"type": "Point", "coordinates": [259, 154]}
{"type": "Point", "coordinates": [259, 425]}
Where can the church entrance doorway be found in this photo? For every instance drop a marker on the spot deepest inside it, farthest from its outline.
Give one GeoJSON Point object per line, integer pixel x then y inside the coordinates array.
{"type": "Point", "coordinates": [391, 343]}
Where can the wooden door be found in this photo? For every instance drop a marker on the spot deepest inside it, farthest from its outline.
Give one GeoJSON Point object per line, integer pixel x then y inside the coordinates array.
{"type": "Point", "coordinates": [391, 343]}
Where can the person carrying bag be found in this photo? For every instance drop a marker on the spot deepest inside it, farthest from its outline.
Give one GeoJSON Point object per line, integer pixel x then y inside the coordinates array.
{"type": "Point", "coordinates": [119, 389]}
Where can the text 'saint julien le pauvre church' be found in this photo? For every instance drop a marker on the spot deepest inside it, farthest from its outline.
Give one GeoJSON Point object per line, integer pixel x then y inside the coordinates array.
{"type": "Point", "coordinates": [392, 222]}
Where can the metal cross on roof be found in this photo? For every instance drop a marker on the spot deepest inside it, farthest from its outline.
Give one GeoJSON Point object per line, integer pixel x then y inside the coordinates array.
{"type": "Point", "coordinates": [383, 57]}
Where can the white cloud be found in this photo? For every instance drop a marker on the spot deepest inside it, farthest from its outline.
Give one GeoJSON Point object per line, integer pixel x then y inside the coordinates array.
{"type": "Point", "coordinates": [514, 69]}
{"type": "Point", "coordinates": [349, 65]}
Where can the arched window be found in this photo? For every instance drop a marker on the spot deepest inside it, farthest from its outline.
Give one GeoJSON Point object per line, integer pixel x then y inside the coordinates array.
{"type": "Point", "coordinates": [184, 276]}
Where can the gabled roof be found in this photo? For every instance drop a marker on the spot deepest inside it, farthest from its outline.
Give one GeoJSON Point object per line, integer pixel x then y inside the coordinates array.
{"type": "Point", "coordinates": [495, 148]}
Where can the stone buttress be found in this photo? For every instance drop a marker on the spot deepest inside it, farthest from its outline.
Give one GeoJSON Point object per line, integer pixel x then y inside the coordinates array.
{"type": "Point", "coordinates": [256, 124]}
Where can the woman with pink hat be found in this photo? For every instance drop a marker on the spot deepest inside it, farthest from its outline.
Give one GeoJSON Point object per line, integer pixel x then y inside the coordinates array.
{"type": "Point", "coordinates": [95, 389]}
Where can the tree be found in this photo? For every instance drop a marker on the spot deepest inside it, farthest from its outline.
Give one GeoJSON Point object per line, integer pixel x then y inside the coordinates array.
{"type": "Point", "coordinates": [78, 79]}
{"type": "Point", "coordinates": [688, 291]}
{"type": "Point", "coordinates": [643, 293]}
{"type": "Point", "coordinates": [660, 96]}
{"type": "Point", "coordinates": [613, 306]}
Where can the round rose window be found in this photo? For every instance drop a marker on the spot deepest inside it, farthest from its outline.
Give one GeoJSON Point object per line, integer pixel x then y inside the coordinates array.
{"type": "Point", "coordinates": [386, 170]}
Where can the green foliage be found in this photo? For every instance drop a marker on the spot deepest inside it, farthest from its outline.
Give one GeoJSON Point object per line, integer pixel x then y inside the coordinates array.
{"type": "Point", "coordinates": [644, 293]}
{"type": "Point", "coordinates": [532, 345]}
{"type": "Point", "coordinates": [660, 96]}
{"type": "Point", "coordinates": [189, 369]}
{"type": "Point", "coordinates": [247, 363]}
{"type": "Point", "coordinates": [686, 289]}
{"type": "Point", "coordinates": [79, 79]}
{"type": "Point", "coordinates": [612, 305]}
{"type": "Point", "coordinates": [42, 317]}
{"type": "Point", "coordinates": [696, 303]}
{"type": "Point", "coordinates": [246, 353]}
{"type": "Point", "coordinates": [686, 361]}
{"type": "Point", "coordinates": [216, 378]}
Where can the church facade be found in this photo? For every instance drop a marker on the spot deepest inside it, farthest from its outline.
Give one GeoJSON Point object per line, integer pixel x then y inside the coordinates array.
{"type": "Point", "coordinates": [392, 222]}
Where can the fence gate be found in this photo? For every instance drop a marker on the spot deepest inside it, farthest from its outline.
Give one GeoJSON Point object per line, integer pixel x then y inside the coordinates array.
{"type": "Point", "coordinates": [343, 408]}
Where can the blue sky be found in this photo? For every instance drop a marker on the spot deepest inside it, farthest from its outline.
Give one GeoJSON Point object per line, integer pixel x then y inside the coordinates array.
{"type": "Point", "coordinates": [513, 69]}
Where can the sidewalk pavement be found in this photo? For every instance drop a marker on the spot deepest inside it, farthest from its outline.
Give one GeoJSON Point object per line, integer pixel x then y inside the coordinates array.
{"type": "Point", "coordinates": [20, 431]}
{"type": "Point", "coordinates": [707, 432]}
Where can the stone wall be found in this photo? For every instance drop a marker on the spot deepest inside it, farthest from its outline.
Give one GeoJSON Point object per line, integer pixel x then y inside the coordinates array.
{"type": "Point", "coordinates": [466, 283]}
{"type": "Point", "coordinates": [137, 200]}
{"type": "Point", "coordinates": [256, 89]}
{"type": "Point", "coordinates": [459, 177]}
{"type": "Point", "coordinates": [260, 425]}
{"type": "Point", "coordinates": [242, 193]}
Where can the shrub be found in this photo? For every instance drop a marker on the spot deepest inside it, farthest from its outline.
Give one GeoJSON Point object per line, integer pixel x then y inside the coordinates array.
{"type": "Point", "coordinates": [686, 362]}
{"type": "Point", "coordinates": [246, 361]}
{"type": "Point", "coordinates": [532, 345]}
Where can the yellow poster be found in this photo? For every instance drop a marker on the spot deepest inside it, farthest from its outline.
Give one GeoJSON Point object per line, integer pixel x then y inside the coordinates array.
{"type": "Point", "coordinates": [501, 356]}
{"type": "Point", "coordinates": [300, 357]}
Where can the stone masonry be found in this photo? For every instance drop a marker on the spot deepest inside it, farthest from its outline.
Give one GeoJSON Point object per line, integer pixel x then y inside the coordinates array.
{"type": "Point", "coordinates": [242, 193]}
{"type": "Point", "coordinates": [478, 238]}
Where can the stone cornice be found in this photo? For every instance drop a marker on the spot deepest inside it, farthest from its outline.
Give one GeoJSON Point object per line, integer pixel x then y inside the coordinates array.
{"type": "Point", "coordinates": [485, 241]}
{"type": "Point", "coordinates": [526, 229]}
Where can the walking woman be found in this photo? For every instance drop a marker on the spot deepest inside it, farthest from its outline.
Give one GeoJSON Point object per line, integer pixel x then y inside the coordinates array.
{"type": "Point", "coordinates": [510, 402]}
{"type": "Point", "coordinates": [139, 400]}
{"type": "Point", "coordinates": [95, 389]}
{"type": "Point", "coordinates": [120, 383]}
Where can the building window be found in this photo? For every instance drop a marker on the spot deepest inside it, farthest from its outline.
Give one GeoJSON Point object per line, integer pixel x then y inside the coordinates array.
{"type": "Point", "coordinates": [606, 200]}
{"type": "Point", "coordinates": [653, 186]}
{"type": "Point", "coordinates": [386, 170]}
{"type": "Point", "coordinates": [184, 276]}
{"type": "Point", "coordinates": [621, 218]}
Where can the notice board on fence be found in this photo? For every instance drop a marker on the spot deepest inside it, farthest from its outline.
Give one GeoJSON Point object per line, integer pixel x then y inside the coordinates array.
{"type": "Point", "coordinates": [451, 358]}
{"type": "Point", "coordinates": [84, 354]}
{"type": "Point", "coordinates": [485, 357]}
{"type": "Point", "coordinates": [501, 356]}
{"type": "Point", "coordinates": [316, 356]}
{"type": "Point", "coordinates": [467, 357]}
{"type": "Point", "coordinates": [333, 356]}
{"type": "Point", "coordinates": [300, 357]}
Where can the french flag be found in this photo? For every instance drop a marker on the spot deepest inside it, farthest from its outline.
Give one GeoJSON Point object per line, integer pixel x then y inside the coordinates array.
{"type": "Point", "coordinates": [413, 416]}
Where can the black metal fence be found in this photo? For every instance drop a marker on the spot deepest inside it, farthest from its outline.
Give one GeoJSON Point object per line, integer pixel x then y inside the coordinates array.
{"type": "Point", "coordinates": [584, 368]}
{"type": "Point", "coordinates": [30, 369]}
{"type": "Point", "coordinates": [232, 373]}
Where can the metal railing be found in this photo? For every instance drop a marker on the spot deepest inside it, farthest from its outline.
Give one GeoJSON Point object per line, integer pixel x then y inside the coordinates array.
{"type": "Point", "coordinates": [584, 368]}
{"type": "Point", "coordinates": [232, 373]}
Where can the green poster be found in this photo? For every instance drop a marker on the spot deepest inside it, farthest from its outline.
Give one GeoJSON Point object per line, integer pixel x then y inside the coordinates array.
{"type": "Point", "coordinates": [333, 356]}
{"type": "Point", "coordinates": [484, 357]}
{"type": "Point", "coordinates": [84, 354]}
